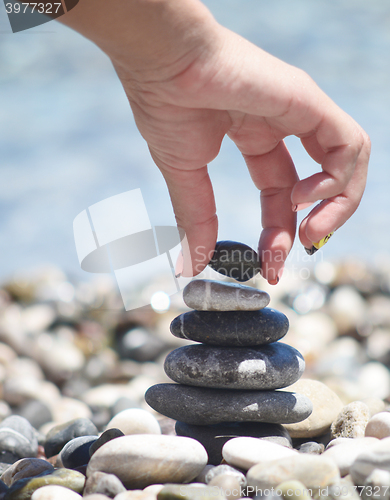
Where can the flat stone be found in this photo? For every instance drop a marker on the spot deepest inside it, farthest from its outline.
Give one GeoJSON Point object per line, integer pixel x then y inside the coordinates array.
{"type": "Point", "coordinates": [213, 437]}
{"type": "Point", "coordinates": [17, 439]}
{"type": "Point", "coordinates": [378, 457]}
{"type": "Point", "coordinates": [204, 406]}
{"type": "Point", "coordinates": [106, 484]}
{"type": "Point", "coordinates": [351, 421]}
{"type": "Point", "coordinates": [26, 467]}
{"type": "Point", "coordinates": [24, 488]}
{"type": "Point", "coordinates": [326, 407]}
{"type": "Point", "coordinates": [59, 435]}
{"type": "Point", "coordinates": [76, 451]}
{"type": "Point", "coordinates": [313, 471]}
{"type": "Point", "coordinates": [135, 421]}
{"type": "Point", "coordinates": [54, 492]}
{"type": "Point", "coordinates": [104, 438]}
{"type": "Point", "coordinates": [262, 368]}
{"type": "Point", "coordinates": [235, 260]}
{"type": "Point", "coordinates": [209, 295]}
{"type": "Point", "coordinates": [231, 328]}
{"type": "Point", "coordinates": [244, 452]}
{"type": "Point", "coordinates": [345, 453]}
{"type": "Point", "coordinates": [189, 492]}
{"type": "Point", "coordinates": [144, 459]}
{"type": "Point", "coordinates": [379, 425]}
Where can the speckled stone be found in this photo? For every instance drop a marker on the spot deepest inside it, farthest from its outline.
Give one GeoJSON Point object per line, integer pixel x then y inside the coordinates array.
{"type": "Point", "coordinates": [244, 452]}
{"type": "Point", "coordinates": [209, 295]}
{"type": "Point", "coordinates": [76, 451]}
{"type": "Point", "coordinates": [263, 368]}
{"type": "Point", "coordinates": [26, 467]}
{"type": "Point", "coordinates": [235, 260]}
{"type": "Point", "coordinates": [379, 425]}
{"type": "Point", "coordinates": [59, 435]}
{"type": "Point", "coordinates": [24, 488]}
{"type": "Point", "coordinates": [55, 492]}
{"type": "Point", "coordinates": [135, 421]}
{"type": "Point", "coordinates": [104, 438]}
{"type": "Point", "coordinates": [106, 484]}
{"type": "Point", "coordinates": [225, 470]}
{"type": "Point", "coordinates": [17, 439]}
{"type": "Point", "coordinates": [311, 447]}
{"type": "Point", "coordinates": [204, 406]}
{"type": "Point", "coordinates": [326, 407]}
{"type": "Point", "coordinates": [313, 471]}
{"type": "Point", "coordinates": [231, 328]}
{"type": "Point", "coordinates": [144, 459]}
{"type": "Point", "coordinates": [352, 420]}
{"type": "Point", "coordinates": [213, 437]}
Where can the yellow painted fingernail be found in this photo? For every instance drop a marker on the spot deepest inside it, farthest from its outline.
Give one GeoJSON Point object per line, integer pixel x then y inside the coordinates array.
{"type": "Point", "coordinates": [319, 244]}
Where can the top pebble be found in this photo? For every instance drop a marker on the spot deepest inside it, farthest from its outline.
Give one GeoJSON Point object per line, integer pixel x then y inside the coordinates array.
{"type": "Point", "coordinates": [208, 295]}
{"type": "Point", "coordinates": [235, 260]}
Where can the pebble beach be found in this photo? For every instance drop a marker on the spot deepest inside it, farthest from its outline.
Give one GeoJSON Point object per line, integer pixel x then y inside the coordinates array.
{"type": "Point", "coordinates": [74, 370]}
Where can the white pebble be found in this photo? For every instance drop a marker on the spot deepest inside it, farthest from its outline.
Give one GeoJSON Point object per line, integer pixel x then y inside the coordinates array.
{"type": "Point", "coordinates": [135, 421]}
{"type": "Point", "coordinates": [379, 425]}
{"type": "Point", "coordinates": [54, 492]}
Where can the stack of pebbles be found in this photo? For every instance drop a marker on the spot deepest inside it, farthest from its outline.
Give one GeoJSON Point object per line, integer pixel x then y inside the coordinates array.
{"type": "Point", "coordinates": [227, 385]}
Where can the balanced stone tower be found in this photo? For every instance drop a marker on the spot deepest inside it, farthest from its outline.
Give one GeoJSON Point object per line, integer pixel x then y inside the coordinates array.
{"type": "Point", "coordinates": [228, 383]}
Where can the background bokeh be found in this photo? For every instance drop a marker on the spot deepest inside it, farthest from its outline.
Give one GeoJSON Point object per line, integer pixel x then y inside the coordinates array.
{"type": "Point", "coordinates": [68, 139]}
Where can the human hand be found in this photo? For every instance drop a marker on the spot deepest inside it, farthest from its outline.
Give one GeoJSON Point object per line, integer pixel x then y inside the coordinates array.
{"type": "Point", "coordinates": [208, 82]}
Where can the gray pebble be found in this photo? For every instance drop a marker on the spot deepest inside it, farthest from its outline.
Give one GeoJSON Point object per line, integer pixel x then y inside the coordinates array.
{"type": "Point", "coordinates": [59, 435]}
{"type": "Point", "coordinates": [209, 295]}
{"type": "Point", "coordinates": [204, 406]}
{"type": "Point", "coordinates": [235, 260]}
{"type": "Point", "coordinates": [231, 328]}
{"type": "Point", "coordinates": [17, 439]}
{"type": "Point", "coordinates": [105, 484]}
{"type": "Point", "coordinates": [76, 451]}
{"type": "Point", "coordinates": [226, 470]}
{"type": "Point", "coordinates": [264, 368]}
{"type": "Point", "coordinates": [311, 447]}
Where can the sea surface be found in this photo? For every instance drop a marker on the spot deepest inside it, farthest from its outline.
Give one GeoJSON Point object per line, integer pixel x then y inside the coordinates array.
{"type": "Point", "coordinates": [68, 139]}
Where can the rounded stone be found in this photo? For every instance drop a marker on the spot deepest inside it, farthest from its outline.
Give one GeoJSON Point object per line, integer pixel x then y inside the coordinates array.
{"type": "Point", "coordinates": [351, 421]}
{"type": "Point", "coordinates": [135, 421]}
{"type": "Point", "coordinates": [379, 425]}
{"type": "Point", "coordinates": [209, 295]}
{"type": "Point", "coordinates": [228, 485]}
{"type": "Point", "coordinates": [190, 492]}
{"type": "Point", "coordinates": [24, 488]}
{"type": "Point", "coordinates": [26, 467]}
{"type": "Point", "coordinates": [213, 437]}
{"type": "Point", "coordinates": [293, 490]}
{"type": "Point", "coordinates": [378, 457]}
{"type": "Point", "coordinates": [17, 439]}
{"type": "Point", "coordinates": [59, 435]}
{"type": "Point", "coordinates": [326, 406]}
{"type": "Point", "coordinates": [313, 471]}
{"type": "Point", "coordinates": [311, 447]}
{"type": "Point", "coordinates": [376, 485]}
{"type": "Point", "coordinates": [345, 453]}
{"type": "Point", "coordinates": [231, 328]}
{"type": "Point", "coordinates": [204, 406]}
{"type": "Point", "coordinates": [235, 260]}
{"type": "Point", "coordinates": [104, 438]}
{"type": "Point", "coordinates": [76, 451]}
{"type": "Point", "coordinates": [262, 368]}
{"type": "Point", "coordinates": [36, 412]}
{"type": "Point", "coordinates": [144, 459]}
{"type": "Point", "coordinates": [106, 484]}
{"type": "Point", "coordinates": [244, 452]}
{"type": "Point", "coordinates": [225, 470]}
{"type": "Point", "coordinates": [54, 492]}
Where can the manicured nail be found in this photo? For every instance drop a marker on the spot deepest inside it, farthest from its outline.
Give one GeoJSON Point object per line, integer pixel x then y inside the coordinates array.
{"type": "Point", "coordinates": [301, 206]}
{"type": "Point", "coordinates": [319, 244]}
{"type": "Point", "coordinates": [274, 282]}
{"type": "Point", "coordinates": [179, 265]}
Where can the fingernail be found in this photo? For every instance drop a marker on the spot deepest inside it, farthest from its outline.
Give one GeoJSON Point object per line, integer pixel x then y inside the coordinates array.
{"type": "Point", "coordinates": [179, 265]}
{"type": "Point", "coordinates": [274, 282]}
{"type": "Point", "coordinates": [301, 206]}
{"type": "Point", "coordinates": [319, 244]}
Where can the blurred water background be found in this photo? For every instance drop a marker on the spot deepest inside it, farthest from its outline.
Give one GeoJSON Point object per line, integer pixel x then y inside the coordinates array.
{"type": "Point", "coordinates": [68, 139]}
